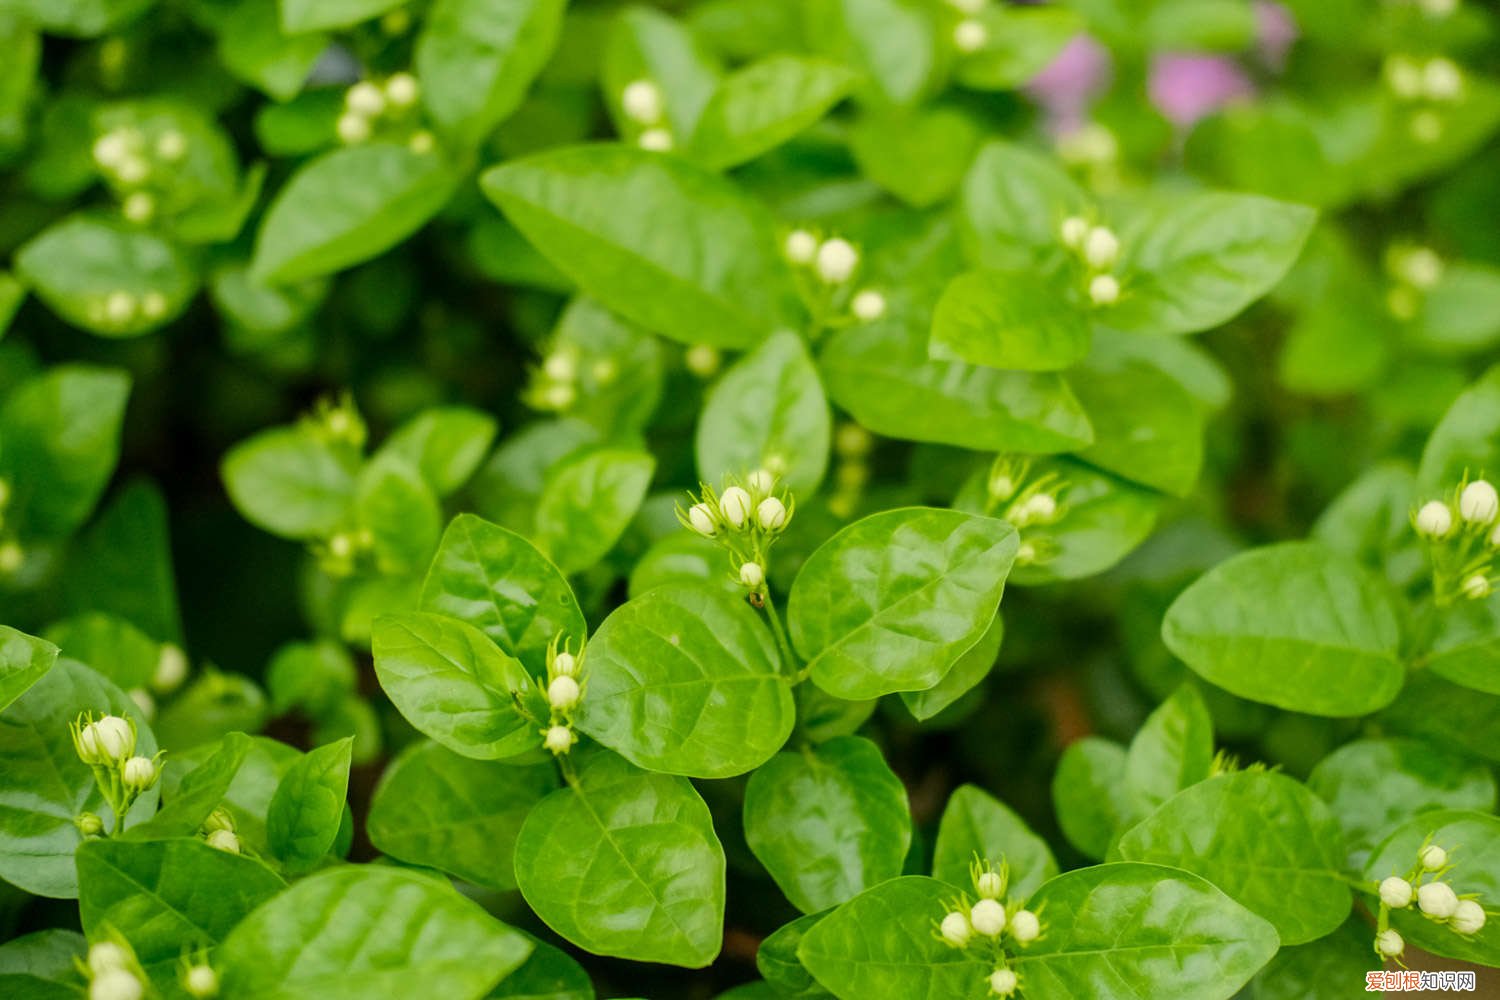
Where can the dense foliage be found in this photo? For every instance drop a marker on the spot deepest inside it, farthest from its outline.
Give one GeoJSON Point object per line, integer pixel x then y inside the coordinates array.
{"type": "Point", "coordinates": [518, 498]}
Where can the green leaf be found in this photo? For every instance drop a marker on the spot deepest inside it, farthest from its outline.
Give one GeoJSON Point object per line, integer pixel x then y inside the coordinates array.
{"type": "Point", "coordinates": [777, 960]}
{"type": "Point", "coordinates": [1013, 205]}
{"type": "Point", "coordinates": [768, 411]}
{"type": "Point", "coordinates": [498, 582]}
{"type": "Point", "coordinates": [247, 787]}
{"type": "Point", "coordinates": [1326, 967]}
{"type": "Point", "coordinates": [966, 674]}
{"type": "Point", "coordinates": [47, 785]}
{"type": "Point", "coordinates": [43, 965]}
{"type": "Point", "coordinates": [1293, 625]}
{"type": "Point", "coordinates": [1008, 319]}
{"type": "Point", "coordinates": [1262, 838]}
{"type": "Point", "coordinates": [453, 684]}
{"type": "Point", "coordinates": [127, 550]}
{"type": "Point", "coordinates": [313, 676]}
{"type": "Point", "coordinates": [547, 974]}
{"type": "Point", "coordinates": [920, 155]}
{"type": "Point", "coordinates": [1200, 260]}
{"type": "Point", "coordinates": [618, 367]}
{"type": "Point", "coordinates": [892, 601]}
{"type": "Point", "coordinates": [625, 863]}
{"type": "Point", "coordinates": [975, 823]}
{"type": "Point", "coordinates": [477, 58]}
{"type": "Point", "coordinates": [1089, 794]}
{"type": "Point", "coordinates": [685, 680]}
{"type": "Point", "coordinates": [298, 16]}
{"type": "Point", "coordinates": [1465, 646]}
{"type": "Point", "coordinates": [165, 895]}
{"type": "Point", "coordinates": [1473, 842]}
{"type": "Point", "coordinates": [1459, 313]}
{"type": "Point", "coordinates": [437, 808]}
{"type": "Point", "coordinates": [597, 213]}
{"type": "Point", "coordinates": [445, 444]}
{"type": "Point", "coordinates": [1467, 439]}
{"type": "Point", "coordinates": [1020, 44]}
{"type": "Point", "coordinates": [648, 44]}
{"type": "Point", "coordinates": [12, 294]}
{"type": "Point", "coordinates": [290, 482]}
{"type": "Point", "coordinates": [762, 105]}
{"type": "Point", "coordinates": [361, 931]}
{"type": "Point", "coordinates": [109, 645]}
{"type": "Point", "coordinates": [347, 206]}
{"type": "Point", "coordinates": [252, 47]}
{"type": "Point", "coordinates": [1372, 785]}
{"type": "Point", "coordinates": [1159, 932]}
{"type": "Point", "coordinates": [24, 659]}
{"type": "Point", "coordinates": [828, 821]}
{"type": "Point", "coordinates": [1147, 428]}
{"type": "Point", "coordinates": [198, 794]}
{"type": "Point", "coordinates": [61, 439]}
{"type": "Point", "coordinates": [107, 277]}
{"type": "Point", "coordinates": [309, 805]}
{"type": "Point", "coordinates": [683, 558]}
{"type": "Point", "coordinates": [401, 512]}
{"type": "Point", "coordinates": [587, 504]}
{"type": "Point", "coordinates": [881, 374]}
{"type": "Point", "coordinates": [1173, 749]}
{"type": "Point", "coordinates": [893, 42]}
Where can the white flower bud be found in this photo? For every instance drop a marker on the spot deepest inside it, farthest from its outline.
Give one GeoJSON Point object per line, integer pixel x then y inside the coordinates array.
{"type": "Point", "coordinates": [138, 207]}
{"type": "Point", "coordinates": [219, 819]}
{"type": "Point", "coordinates": [1478, 503]}
{"type": "Point", "coordinates": [422, 142]}
{"type": "Point", "coordinates": [641, 102]}
{"type": "Point", "coordinates": [988, 917]}
{"type": "Point", "coordinates": [752, 574]}
{"type": "Point", "coordinates": [837, 260]}
{"type": "Point", "coordinates": [1025, 927]}
{"type": "Point", "coordinates": [1432, 858]}
{"type": "Point", "coordinates": [657, 140]}
{"type": "Point", "coordinates": [352, 129]}
{"type": "Point", "coordinates": [365, 99]}
{"type": "Point", "coordinates": [132, 170]}
{"type": "Point", "coordinates": [1104, 289]}
{"type": "Point", "coordinates": [800, 247]}
{"type": "Point", "coordinates": [989, 885]}
{"type": "Point", "coordinates": [88, 746]}
{"type": "Point", "coordinates": [559, 739]}
{"type": "Point", "coordinates": [1468, 917]}
{"type": "Point", "coordinates": [171, 669]}
{"type": "Point", "coordinates": [224, 840]}
{"type": "Point", "coordinates": [144, 702]}
{"type": "Point", "coordinates": [106, 955]}
{"type": "Point", "coordinates": [701, 517]}
{"type": "Point", "coordinates": [12, 556]}
{"type": "Point", "coordinates": [1025, 554]}
{"type": "Point", "coordinates": [702, 360]}
{"type": "Point", "coordinates": [171, 145]}
{"type": "Point", "coordinates": [1075, 229]}
{"type": "Point", "coordinates": [734, 506]}
{"type": "Point", "coordinates": [559, 396]}
{"type": "Point", "coordinates": [771, 514]}
{"type": "Point", "coordinates": [761, 480]}
{"type": "Point", "coordinates": [970, 35]}
{"type": "Point", "coordinates": [111, 149]}
{"type": "Point", "coordinates": [116, 984]}
{"type": "Point", "coordinates": [401, 90]}
{"type": "Point", "coordinates": [1403, 76]}
{"type": "Point", "coordinates": [201, 982]}
{"type": "Point", "coordinates": [1438, 8]}
{"type": "Point", "coordinates": [1437, 899]}
{"type": "Point", "coordinates": [341, 546]}
{"type": "Point", "coordinates": [1421, 267]}
{"type": "Point", "coordinates": [868, 305]}
{"type": "Point", "coordinates": [1101, 248]}
{"type": "Point", "coordinates": [562, 693]}
{"type": "Point", "coordinates": [119, 307]}
{"type": "Point", "coordinates": [564, 664]}
{"type": "Point", "coordinates": [1434, 520]}
{"type": "Point", "coordinates": [89, 824]}
{"type": "Point", "coordinates": [1039, 508]}
{"type": "Point", "coordinates": [1004, 982]}
{"type": "Point", "coordinates": [1389, 943]}
{"type": "Point", "coordinates": [1476, 587]}
{"type": "Point", "coordinates": [138, 773]}
{"type": "Point", "coordinates": [1396, 892]}
{"type": "Point", "coordinates": [560, 365]}
{"type": "Point", "coordinates": [115, 738]}
{"type": "Point", "coordinates": [1442, 80]}
{"type": "Point", "coordinates": [955, 929]}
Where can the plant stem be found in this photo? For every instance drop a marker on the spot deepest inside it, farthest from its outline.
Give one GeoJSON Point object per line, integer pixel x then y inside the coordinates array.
{"type": "Point", "coordinates": [790, 662]}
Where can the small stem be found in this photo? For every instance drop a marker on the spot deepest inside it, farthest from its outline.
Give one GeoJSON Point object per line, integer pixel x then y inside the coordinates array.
{"type": "Point", "coordinates": [789, 661]}
{"type": "Point", "coordinates": [569, 773]}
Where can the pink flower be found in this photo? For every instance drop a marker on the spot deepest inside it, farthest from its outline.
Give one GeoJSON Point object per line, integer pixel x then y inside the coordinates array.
{"type": "Point", "coordinates": [1275, 32]}
{"type": "Point", "coordinates": [1186, 87]}
{"type": "Point", "coordinates": [1071, 81]}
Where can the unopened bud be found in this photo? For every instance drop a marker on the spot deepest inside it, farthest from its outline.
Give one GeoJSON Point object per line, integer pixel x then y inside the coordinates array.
{"type": "Point", "coordinates": [119, 307]}
{"type": "Point", "coordinates": [219, 819]}
{"type": "Point", "coordinates": [1476, 587]}
{"type": "Point", "coordinates": [171, 145]}
{"type": "Point", "coordinates": [171, 669]}
{"type": "Point", "coordinates": [1101, 248]}
{"type": "Point", "coordinates": [702, 360]}
{"type": "Point", "coordinates": [989, 885]}
{"type": "Point", "coordinates": [144, 702]}
{"type": "Point", "coordinates": [1478, 503]}
{"type": "Point", "coordinates": [116, 984]}
{"type": "Point", "coordinates": [365, 99]}
{"type": "Point", "coordinates": [800, 247]}
{"type": "Point", "coordinates": [352, 129]}
{"type": "Point", "coordinates": [1075, 229]}
{"type": "Point", "coordinates": [1104, 289]}
{"type": "Point", "coordinates": [138, 773]}
{"type": "Point", "coordinates": [562, 693]}
{"type": "Point", "coordinates": [955, 929]}
{"type": "Point", "coordinates": [734, 506]}
{"type": "Point", "coordinates": [1434, 520]}
{"type": "Point", "coordinates": [657, 140]}
{"type": "Point", "coordinates": [1025, 927]}
{"type": "Point", "coordinates": [1432, 858]}
{"type": "Point", "coordinates": [564, 664]}
{"type": "Point", "coordinates": [1437, 899]}
{"type": "Point", "coordinates": [701, 517]}
{"type": "Point", "coordinates": [106, 955]}
{"type": "Point", "coordinates": [1004, 982]}
{"type": "Point", "coordinates": [1390, 943]}
{"type": "Point", "coordinates": [1403, 76]}
{"type": "Point", "coordinates": [1468, 917]}
{"type": "Point", "coordinates": [760, 481]}
{"type": "Point", "coordinates": [224, 840]}
{"type": "Point", "coordinates": [559, 739]}
{"type": "Point", "coordinates": [641, 102]}
{"type": "Point", "coordinates": [201, 982]}
{"type": "Point", "coordinates": [1396, 892]}
{"type": "Point", "coordinates": [868, 305]}
{"type": "Point", "coordinates": [1442, 80]}
{"type": "Point", "coordinates": [401, 90]}
{"type": "Point", "coordinates": [752, 574]}
{"type": "Point", "coordinates": [988, 917]}
{"type": "Point", "coordinates": [837, 260]}
{"type": "Point", "coordinates": [138, 207]}
{"type": "Point", "coordinates": [89, 824]}
{"type": "Point", "coordinates": [970, 35]}
{"type": "Point", "coordinates": [771, 514]}
{"type": "Point", "coordinates": [115, 738]}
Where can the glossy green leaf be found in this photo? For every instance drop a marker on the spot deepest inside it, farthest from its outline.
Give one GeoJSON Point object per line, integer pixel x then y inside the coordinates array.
{"type": "Point", "coordinates": [47, 785]}
{"type": "Point", "coordinates": [303, 820]}
{"type": "Point", "coordinates": [245, 791]}
{"type": "Point", "coordinates": [762, 105]}
{"type": "Point", "coordinates": [1293, 625]}
{"type": "Point", "coordinates": [777, 960]}
{"type": "Point", "coordinates": [1174, 748]}
{"type": "Point", "coordinates": [109, 645]}
{"type": "Point", "coordinates": [1152, 931]}
{"type": "Point", "coordinates": [596, 212]}
{"type": "Point", "coordinates": [1330, 966]}
{"type": "Point", "coordinates": [24, 660]}
{"type": "Point", "coordinates": [1466, 645]}
{"type": "Point", "coordinates": [625, 863]}
{"type": "Point", "coordinates": [1372, 785]}
{"type": "Point", "coordinates": [347, 206]}
{"type": "Point", "coordinates": [618, 376]}
{"type": "Point", "coordinates": [1465, 439]}
{"type": "Point", "coordinates": [1147, 428]}
{"type": "Point", "coordinates": [1089, 794]}
{"type": "Point", "coordinates": [686, 681]}
{"type": "Point", "coordinates": [312, 676]}
{"type": "Point", "coordinates": [290, 482]}
{"type": "Point", "coordinates": [547, 974]}
{"type": "Point", "coordinates": [1008, 319]}
{"type": "Point", "coordinates": [445, 444]}
{"type": "Point", "coordinates": [453, 684]}
{"type": "Point", "coordinates": [437, 808]}
{"type": "Point", "coordinates": [966, 674]}
{"type": "Point", "coordinates": [43, 965]}
{"type": "Point", "coordinates": [252, 47]}
{"type": "Point", "coordinates": [476, 59]}
{"type": "Point", "coordinates": [202, 790]}
{"type": "Point", "coordinates": [164, 894]}
{"type": "Point", "coordinates": [1020, 44]}
{"type": "Point", "coordinates": [920, 155]}
{"type": "Point", "coordinates": [767, 412]}
{"type": "Point", "coordinates": [1013, 205]}
{"type": "Point", "coordinates": [587, 504]}
{"type": "Point", "coordinates": [891, 602]}
{"type": "Point", "coordinates": [1262, 838]}
{"type": "Point", "coordinates": [128, 551]}
{"type": "Point", "coordinates": [298, 16]}
{"type": "Point", "coordinates": [976, 824]}
{"type": "Point", "coordinates": [894, 42]}
{"type": "Point", "coordinates": [498, 582]}
{"type": "Point", "coordinates": [828, 822]}
{"type": "Point", "coordinates": [402, 513]}
{"type": "Point", "coordinates": [364, 931]}
{"type": "Point", "coordinates": [649, 44]}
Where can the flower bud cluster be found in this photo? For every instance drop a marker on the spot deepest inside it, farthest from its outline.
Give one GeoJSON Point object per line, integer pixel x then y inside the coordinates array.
{"type": "Point", "coordinates": [644, 108]}
{"type": "Point", "coordinates": [990, 925]}
{"type": "Point", "coordinates": [1098, 248]}
{"type": "Point", "coordinates": [1424, 86]}
{"type": "Point", "coordinates": [1424, 889]}
{"type": "Point", "coordinates": [852, 445]}
{"type": "Point", "coordinates": [130, 161]}
{"type": "Point", "coordinates": [563, 691]}
{"type": "Point", "coordinates": [970, 34]}
{"type": "Point", "coordinates": [746, 519]}
{"type": "Point", "coordinates": [1414, 270]}
{"type": "Point", "coordinates": [107, 745]}
{"type": "Point", "coordinates": [219, 832]}
{"type": "Point", "coordinates": [112, 971]}
{"type": "Point", "coordinates": [1463, 537]}
{"type": "Point", "coordinates": [367, 104]}
{"type": "Point", "coordinates": [121, 309]}
{"type": "Point", "coordinates": [827, 266]}
{"type": "Point", "coordinates": [1028, 503]}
